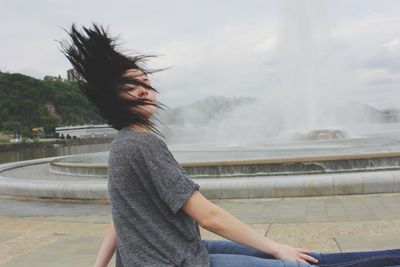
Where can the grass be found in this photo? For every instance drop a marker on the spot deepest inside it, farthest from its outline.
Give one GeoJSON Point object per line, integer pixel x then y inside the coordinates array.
{"type": "Point", "coordinates": [4, 137]}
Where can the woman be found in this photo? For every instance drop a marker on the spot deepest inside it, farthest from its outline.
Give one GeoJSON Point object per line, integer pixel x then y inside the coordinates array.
{"type": "Point", "coordinates": [156, 209]}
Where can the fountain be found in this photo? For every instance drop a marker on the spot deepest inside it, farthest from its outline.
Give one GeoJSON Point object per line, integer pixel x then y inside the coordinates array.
{"type": "Point", "coordinates": [308, 145]}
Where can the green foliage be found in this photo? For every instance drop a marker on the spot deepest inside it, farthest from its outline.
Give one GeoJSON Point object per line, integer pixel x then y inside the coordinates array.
{"type": "Point", "coordinates": [26, 102]}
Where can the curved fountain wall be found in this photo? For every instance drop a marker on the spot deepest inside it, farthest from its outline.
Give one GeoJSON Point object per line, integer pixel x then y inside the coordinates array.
{"type": "Point", "coordinates": [293, 166]}
{"type": "Point", "coordinates": [310, 184]}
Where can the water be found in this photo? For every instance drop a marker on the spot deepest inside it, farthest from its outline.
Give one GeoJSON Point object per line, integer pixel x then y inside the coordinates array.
{"type": "Point", "coordinates": [44, 152]}
{"type": "Point", "coordinates": [372, 143]}
{"type": "Point", "coordinates": [371, 138]}
{"type": "Point", "coordinates": [375, 151]}
{"type": "Point", "coordinates": [304, 74]}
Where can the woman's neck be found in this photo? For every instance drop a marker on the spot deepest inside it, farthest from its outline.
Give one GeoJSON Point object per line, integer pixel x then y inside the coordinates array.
{"type": "Point", "coordinates": [138, 128]}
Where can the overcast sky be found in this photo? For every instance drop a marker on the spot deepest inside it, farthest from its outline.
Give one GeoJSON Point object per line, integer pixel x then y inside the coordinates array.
{"type": "Point", "coordinates": [223, 47]}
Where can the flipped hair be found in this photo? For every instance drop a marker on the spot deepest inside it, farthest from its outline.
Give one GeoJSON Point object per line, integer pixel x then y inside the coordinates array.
{"type": "Point", "coordinates": [93, 54]}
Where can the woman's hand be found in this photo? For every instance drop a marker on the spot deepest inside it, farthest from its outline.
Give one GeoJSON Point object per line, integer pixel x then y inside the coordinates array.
{"type": "Point", "coordinates": [288, 253]}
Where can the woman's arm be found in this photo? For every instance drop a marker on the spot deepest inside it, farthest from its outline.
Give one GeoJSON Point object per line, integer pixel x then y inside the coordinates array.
{"type": "Point", "coordinates": [107, 248]}
{"type": "Point", "coordinates": [215, 219]}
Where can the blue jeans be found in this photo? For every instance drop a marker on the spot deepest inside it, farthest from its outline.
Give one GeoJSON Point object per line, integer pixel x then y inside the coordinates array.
{"type": "Point", "coordinates": [232, 254]}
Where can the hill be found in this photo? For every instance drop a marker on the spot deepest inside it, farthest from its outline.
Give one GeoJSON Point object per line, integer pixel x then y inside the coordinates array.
{"type": "Point", "coordinates": [26, 102]}
{"type": "Point", "coordinates": [215, 108]}
{"type": "Point", "coordinates": [203, 111]}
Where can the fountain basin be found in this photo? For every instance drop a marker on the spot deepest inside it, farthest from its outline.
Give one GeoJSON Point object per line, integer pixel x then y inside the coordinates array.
{"type": "Point", "coordinates": [32, 179]}
{"type": "Point", "coordinates": [238, 168]}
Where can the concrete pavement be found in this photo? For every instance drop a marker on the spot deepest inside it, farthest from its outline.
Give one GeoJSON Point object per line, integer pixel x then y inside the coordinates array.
{"type": "Point", "coordinates": [69, 233]}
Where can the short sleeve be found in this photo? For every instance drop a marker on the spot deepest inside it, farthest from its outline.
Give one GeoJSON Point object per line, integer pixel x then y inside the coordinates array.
{"type": "Point", "coordinates": [159, 167]}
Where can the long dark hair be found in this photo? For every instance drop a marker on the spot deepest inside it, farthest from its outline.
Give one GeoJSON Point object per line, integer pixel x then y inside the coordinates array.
{"type": "Point", "coordinates": [101, 66]}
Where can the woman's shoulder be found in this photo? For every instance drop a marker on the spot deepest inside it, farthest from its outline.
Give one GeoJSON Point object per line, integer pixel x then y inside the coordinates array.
{"type": "Point", "coordinates": [129, 138]}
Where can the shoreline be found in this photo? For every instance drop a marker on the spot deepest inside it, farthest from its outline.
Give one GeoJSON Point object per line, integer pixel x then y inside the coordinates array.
{"type": "Point", "coordinates": [58, 142]}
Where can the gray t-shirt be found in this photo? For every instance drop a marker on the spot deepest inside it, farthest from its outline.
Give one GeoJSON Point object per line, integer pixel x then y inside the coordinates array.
{"type": "Point", "coordinates": [147, 188]}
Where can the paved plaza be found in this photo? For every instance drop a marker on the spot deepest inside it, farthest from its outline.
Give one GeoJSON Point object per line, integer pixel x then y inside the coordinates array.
{"type": "Point", "coordinates": [69, 233]}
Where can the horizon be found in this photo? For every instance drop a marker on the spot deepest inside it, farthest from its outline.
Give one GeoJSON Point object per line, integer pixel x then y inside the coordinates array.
{"type": "Point", "coordinates": [213, 96]}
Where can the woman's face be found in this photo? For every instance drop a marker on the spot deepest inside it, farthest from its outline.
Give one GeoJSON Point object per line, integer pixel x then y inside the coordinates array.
{"type": "Point", "coordinates": [139, 92]}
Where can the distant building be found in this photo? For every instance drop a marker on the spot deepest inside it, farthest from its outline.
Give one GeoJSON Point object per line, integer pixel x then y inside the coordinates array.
{"type": "Point", "coordinates": [38, 131]}
{"type": "Point", "coordinates": [87, 131]}
{"type": "Point", "coordinates": [73, 75]}
{"type": "Point", "coordinates": [53, 78]}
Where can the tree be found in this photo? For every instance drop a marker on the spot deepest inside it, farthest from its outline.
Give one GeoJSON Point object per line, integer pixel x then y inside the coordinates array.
{"type": "Point", "coordinates": [47, 103]}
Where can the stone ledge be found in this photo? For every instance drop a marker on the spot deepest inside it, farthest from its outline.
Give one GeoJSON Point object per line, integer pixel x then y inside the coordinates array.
{"type": "Point", "coordinates": [235, 187]}
{"type": "Point", "coordinates": [247, 168]}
